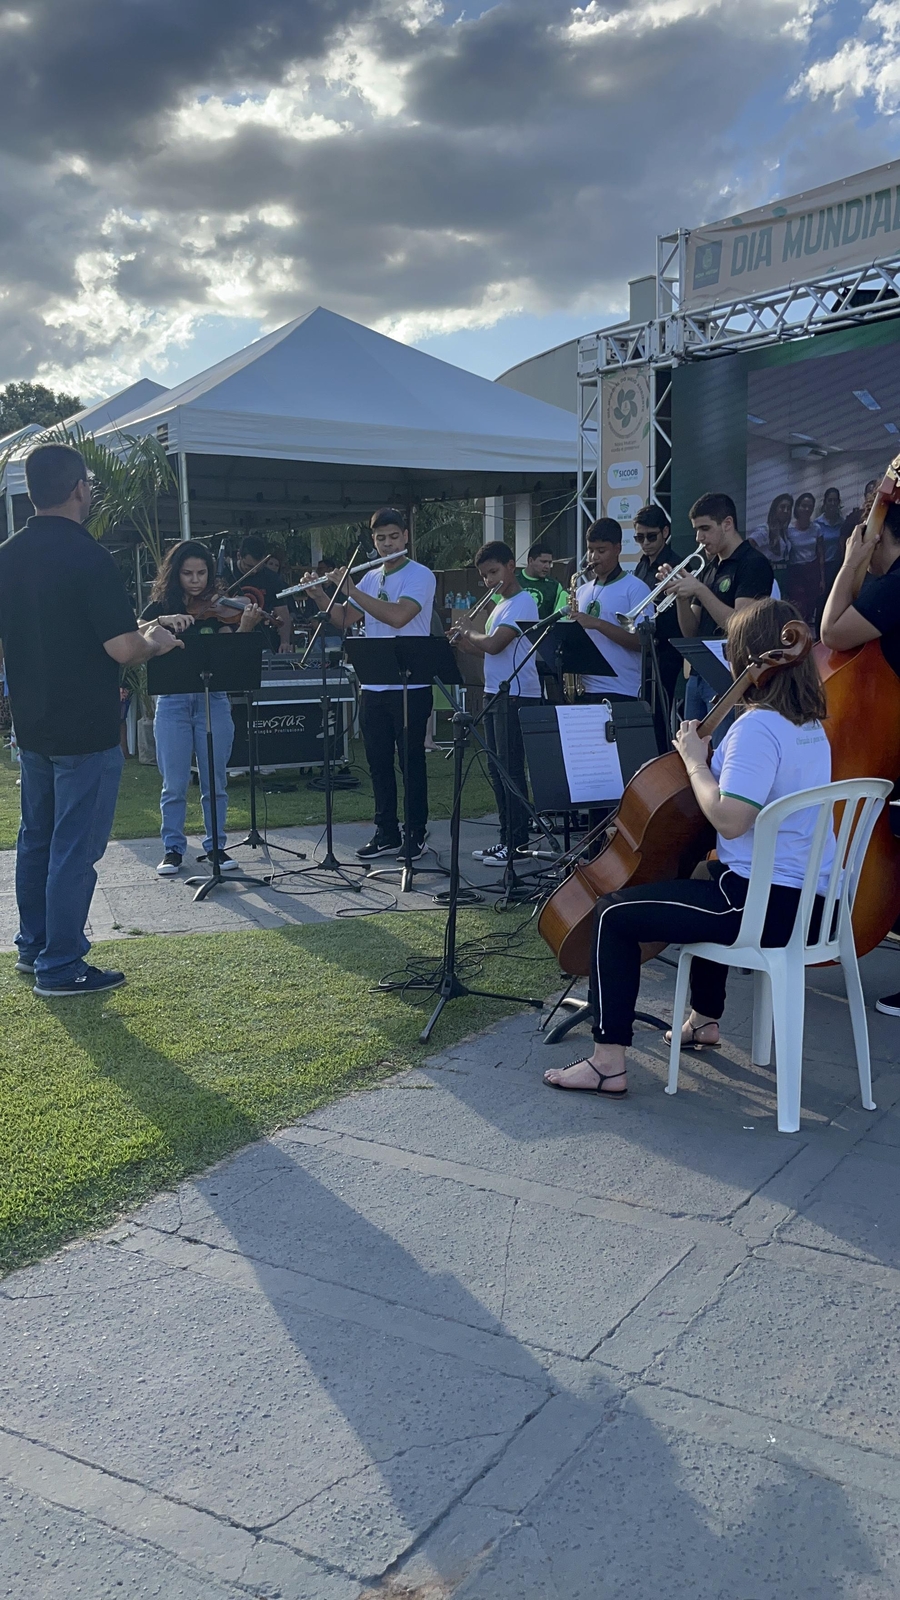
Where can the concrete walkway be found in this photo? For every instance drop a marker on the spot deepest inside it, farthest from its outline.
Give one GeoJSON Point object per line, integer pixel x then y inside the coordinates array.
{"type": "Point", "coordinates": [130, 899]}
{"type": "Point", "coordinates": [461, 1335]}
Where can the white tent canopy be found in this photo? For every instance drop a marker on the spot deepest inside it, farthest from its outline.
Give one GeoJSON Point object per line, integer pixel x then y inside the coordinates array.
{"type": "Point", "coordinates": [324, 389]}
{"type": "Point", "coordinates": [90, 420]}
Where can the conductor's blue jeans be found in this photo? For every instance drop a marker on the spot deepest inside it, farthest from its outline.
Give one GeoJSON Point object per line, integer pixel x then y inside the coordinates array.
{"type": "Point", "coordinates": [68, 804]}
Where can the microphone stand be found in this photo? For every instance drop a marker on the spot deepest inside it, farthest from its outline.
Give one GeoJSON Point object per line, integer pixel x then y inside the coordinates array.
{"type": "Point", "coordinates": [447, 984]}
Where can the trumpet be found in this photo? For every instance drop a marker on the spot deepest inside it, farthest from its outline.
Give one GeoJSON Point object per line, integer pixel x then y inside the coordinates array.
{"type": "Point", "coordinates": [691, 566]}
{"type": "Point", "coordinates": [461, 627]}
{"type": "Point", "coordinates": [315, 583]}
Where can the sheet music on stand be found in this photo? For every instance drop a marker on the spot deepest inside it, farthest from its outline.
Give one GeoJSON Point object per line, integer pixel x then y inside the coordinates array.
{"type": "Point", "coordinates": [592, 762]}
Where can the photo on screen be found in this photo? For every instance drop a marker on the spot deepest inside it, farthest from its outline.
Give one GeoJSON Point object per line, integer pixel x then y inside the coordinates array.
{"type": "Point", "coordinates": [818, 432]}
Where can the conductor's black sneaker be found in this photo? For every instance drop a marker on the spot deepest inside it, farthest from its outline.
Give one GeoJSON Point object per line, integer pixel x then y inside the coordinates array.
{"type": "Point", "coordinates": [226, 864]}
{"type": "Point", "coordinates": [170, 864]}
{"type": "Point", "coordinates": [25, 964]}
{"type": "Point", "coordinates": [417, 850]}
{"type": "Point", "coordinates": [379, 845]}
{"type": "Point", "coordinates": [890, 1005]}
{"type": "Point", "coordinates": [91, 981]}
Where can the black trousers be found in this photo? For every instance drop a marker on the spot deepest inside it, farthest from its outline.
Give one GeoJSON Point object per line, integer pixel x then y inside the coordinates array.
{"type": "Point", "coordinates": [683, 912]}
{"type": "Point", "coordinates": [503, 736]}
{"type": "Point", "coordinates": [381, 721]}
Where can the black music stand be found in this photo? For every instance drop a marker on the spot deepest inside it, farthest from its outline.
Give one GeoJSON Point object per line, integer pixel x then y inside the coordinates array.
{"type": "Point", "coordinates": [631, 728]}
{"type": "Point", "coordinates": [254, 839]}
{"type": "Point", "coordinates": [705, 663]}
{"type": "Point", "coordinates": [398, 662]}
{"type": "Point", "coordinates": [568, 647]}
{"type": "Point", "coordinates": [229, 663]}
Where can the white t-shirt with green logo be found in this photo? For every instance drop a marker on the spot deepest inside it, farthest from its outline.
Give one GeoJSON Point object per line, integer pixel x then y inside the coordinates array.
{"type": "Point", "coordinates": [764, 757]}
{"type": "Point", "coordinates": [412, 581]}
{"type": "Point", "coordinates": [604, 600]}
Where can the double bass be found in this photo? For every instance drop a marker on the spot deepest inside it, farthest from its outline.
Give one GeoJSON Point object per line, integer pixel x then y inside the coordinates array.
{"type": "Point", "coordinates": [863, 726]}
{"type": "Point", "coordinates": [658, 831]}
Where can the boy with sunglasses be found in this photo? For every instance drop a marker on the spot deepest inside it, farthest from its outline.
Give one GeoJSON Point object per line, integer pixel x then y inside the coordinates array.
{"type": "Point", "coordinates": [652, 532]}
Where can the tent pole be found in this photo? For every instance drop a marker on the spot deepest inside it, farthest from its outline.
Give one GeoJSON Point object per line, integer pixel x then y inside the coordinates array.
{"type": "Point", "coordinates": [184, 504]}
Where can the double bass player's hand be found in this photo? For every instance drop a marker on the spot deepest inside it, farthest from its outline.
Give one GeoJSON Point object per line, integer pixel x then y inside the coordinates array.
{"type": "Point", "coordinates": [860, 547]}
{"type": "Point", "coordinates": [693, 750]}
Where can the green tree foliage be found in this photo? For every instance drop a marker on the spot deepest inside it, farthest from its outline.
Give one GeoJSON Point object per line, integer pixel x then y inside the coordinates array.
{"type": "Point", "coordinates": [447, 534]}
{"type": "Point", "coordinates": [21, 403]}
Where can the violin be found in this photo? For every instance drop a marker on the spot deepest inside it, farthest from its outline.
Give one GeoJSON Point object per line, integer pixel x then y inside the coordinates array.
{"type": "Point", "coordinates": [224, 608]}
{"type": "Point", "coordinates": [658, 831]}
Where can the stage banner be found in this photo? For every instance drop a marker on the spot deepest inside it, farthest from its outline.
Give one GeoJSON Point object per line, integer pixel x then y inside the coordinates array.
{"type": "Point", "coordinates": [625, 448]}
{"type": "Point", "coordinates": [846, 224]}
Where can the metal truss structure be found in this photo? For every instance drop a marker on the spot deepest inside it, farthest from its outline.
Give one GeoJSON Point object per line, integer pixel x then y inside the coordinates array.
{"type": "Point", "coordinates": [838, 299]}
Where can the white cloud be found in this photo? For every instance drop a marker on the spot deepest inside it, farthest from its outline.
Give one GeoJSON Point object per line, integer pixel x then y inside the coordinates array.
{"type": "Point", "coordinates": [424, 175]}
{"type": "Point", "coordinates": [862, 67]}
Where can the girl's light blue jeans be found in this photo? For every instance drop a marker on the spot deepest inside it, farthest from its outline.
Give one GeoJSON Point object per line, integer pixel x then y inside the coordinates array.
{"type": "Point", "coordinates": [180, 730]}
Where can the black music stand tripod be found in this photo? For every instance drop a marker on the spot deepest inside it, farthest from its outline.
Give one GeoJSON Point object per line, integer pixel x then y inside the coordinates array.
{"type": "Point", "coordinates": [398, 662]}
{"type": "Point", "coordinates": [329, 861]}
{"type": "Point", "coordinates": [254, 839]}
{"type": "Point", "coordinates": [229, 663]}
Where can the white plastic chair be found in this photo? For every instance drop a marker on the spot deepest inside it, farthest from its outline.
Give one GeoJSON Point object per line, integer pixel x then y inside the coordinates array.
{"type": "Point", "coordinates": [780, 975]}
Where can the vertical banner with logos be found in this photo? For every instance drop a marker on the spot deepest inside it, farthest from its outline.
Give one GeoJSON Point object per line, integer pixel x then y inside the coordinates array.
{"type": "Point", "coordinates": [626, 420]}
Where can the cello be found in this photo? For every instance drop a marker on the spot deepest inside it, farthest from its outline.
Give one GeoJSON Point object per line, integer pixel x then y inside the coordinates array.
{"type": "Point", "coordinates": [658, 831]}
{"type": "Point", "coordinates": [863, 726]}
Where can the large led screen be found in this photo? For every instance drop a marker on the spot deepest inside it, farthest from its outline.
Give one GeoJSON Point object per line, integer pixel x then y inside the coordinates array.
{"type": "Point", "coordinates": [822, 428]}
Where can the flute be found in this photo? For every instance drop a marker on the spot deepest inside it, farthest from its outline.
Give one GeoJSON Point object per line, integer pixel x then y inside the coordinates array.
{"type": "Point", "coordinates": [316, 583]}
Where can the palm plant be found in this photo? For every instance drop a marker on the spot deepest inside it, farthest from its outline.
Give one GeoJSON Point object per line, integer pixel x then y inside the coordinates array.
{"type": "Point", "coordinates": [130, 481]}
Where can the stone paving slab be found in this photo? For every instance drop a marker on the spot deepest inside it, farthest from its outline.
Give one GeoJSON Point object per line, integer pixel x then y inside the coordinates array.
{"type": "Point", "coordinates": [130, 899]}
{"type": "Point", "coordinates": [463, 1336]}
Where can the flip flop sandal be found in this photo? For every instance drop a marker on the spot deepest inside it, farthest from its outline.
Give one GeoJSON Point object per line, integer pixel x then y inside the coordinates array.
{"type": "Point", "coordinates": [694, 1043]}
{"type": "Point", "coordinates": [597, 1088]}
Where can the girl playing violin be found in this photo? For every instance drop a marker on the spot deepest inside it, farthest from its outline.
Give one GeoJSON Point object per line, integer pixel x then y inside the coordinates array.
{"type": "Point", "coordinates": [186, 595]}
{"type": "Point", "coordinates": [775, 748]}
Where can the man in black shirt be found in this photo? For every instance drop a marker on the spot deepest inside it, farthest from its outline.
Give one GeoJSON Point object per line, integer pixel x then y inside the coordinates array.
{"type": "Point", "coordinates": [735, 575]}
{"type": "Point", "coordinates": [262, 586]}
{"type": "Point", "coordinates": [652, 530]}
{"type": "Point", "coordinates": [66, 626]}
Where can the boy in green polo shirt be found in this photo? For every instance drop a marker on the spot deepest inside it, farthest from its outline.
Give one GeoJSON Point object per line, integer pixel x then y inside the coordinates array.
{"type": "Point", "coordinates": [537, 577]}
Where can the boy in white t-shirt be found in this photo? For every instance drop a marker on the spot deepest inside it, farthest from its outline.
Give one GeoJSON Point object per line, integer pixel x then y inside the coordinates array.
{"type": "Point", "coordinates": [609, 591]}
{"type": "Point", "coordinates": [505, 648]}
{"type": "Point", "coordinates": [396, 600]}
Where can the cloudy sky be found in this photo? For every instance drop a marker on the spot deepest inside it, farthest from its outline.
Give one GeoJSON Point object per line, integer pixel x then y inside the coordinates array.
{"type": "Point", "coordinates": [180, 175]}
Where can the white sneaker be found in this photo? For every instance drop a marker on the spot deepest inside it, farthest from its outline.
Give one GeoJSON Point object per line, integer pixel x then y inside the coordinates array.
{"type": "Point", "coordinates": [495, 856]}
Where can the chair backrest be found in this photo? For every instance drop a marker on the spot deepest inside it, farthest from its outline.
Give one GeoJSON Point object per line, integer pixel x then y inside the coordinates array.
{"type": "Point", "coordinates": [862, 800]}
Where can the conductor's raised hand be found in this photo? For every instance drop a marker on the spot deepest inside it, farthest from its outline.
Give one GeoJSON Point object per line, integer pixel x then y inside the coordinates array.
{"type": "Point", "coordinates": [162, 640]}
{"type": "Point", "coordinates": [178, 622]}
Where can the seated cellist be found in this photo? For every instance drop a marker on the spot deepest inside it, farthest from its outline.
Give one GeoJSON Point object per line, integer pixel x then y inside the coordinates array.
{"type": "Point", "coordinates": [776, 747]}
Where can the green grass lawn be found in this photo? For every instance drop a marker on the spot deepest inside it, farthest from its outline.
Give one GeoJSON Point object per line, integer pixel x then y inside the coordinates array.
{"type": "Point", "coordinates": [216, 1039]}
{"type": "Point", "coordinates": [137, 813]}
